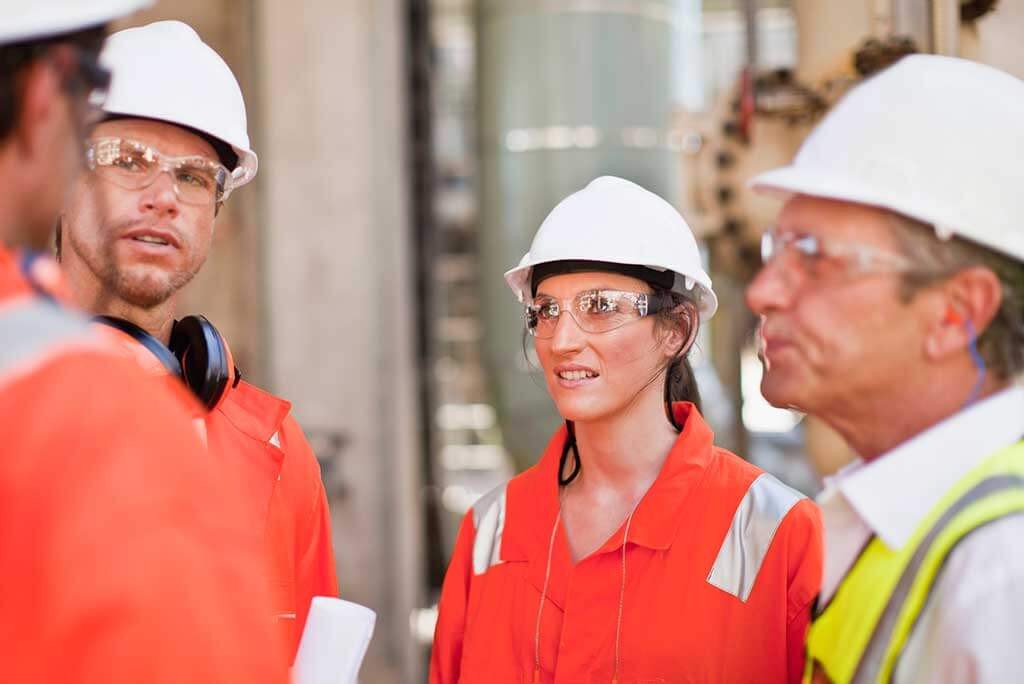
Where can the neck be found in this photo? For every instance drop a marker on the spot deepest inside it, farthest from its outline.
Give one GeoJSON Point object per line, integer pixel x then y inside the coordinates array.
{"type": "Point", "coordinates": [91, 295]}
{"type": "Point", "coordinates": [626, 451]}
{"type": "Point", "coordinates": [874, 426]}
{"type": "Point", "coordinates": [157, 321]}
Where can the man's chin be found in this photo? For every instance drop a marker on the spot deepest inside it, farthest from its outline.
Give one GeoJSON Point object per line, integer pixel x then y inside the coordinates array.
{"type": "Point", "coordinates": [779, 392]}
{"type": "Point", "coordinates": [145, 292]}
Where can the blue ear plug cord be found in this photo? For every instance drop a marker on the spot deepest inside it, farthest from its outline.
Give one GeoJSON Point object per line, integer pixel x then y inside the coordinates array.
{"type": "Point", "coordinates": [979, 363]}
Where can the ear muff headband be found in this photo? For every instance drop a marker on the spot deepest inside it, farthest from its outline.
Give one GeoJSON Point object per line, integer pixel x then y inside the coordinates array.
{"type": "Point", "coordinates": [205, 360]}
{"type": "Point", "coordinates": [154, 345]}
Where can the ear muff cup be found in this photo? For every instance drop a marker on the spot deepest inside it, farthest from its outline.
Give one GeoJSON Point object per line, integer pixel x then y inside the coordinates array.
{"type": "Point", "coordinates": [206, 363]}
{"type": "Point", "coordinates": [197, 354]}
{"type": "Point", "coordinates": [154, 345]}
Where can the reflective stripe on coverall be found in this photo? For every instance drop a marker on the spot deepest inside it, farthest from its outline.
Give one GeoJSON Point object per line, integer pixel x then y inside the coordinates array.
{"type": "Point", "coordinates": [721, 566]}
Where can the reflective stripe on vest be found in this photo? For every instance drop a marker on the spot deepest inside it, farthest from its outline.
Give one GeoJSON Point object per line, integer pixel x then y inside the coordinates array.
{"type": "Point", "coordinates": [753, 527]}
{"type": "Point", "coordinates": [860, 634]}
{"type": "Point", "coordinates": [31, 327]}
{"type": "Point", "coordinates": [489, 522]}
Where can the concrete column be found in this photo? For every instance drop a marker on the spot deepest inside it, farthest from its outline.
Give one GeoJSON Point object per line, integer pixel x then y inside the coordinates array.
{"type": "Point", "coordinates": [336, 281]}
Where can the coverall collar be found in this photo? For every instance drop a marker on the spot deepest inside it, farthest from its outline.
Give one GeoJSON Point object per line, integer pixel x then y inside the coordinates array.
{"type": "Point", "coordinates": [657, 517]}
{"type": "Point", "coordinates": [255, 412]}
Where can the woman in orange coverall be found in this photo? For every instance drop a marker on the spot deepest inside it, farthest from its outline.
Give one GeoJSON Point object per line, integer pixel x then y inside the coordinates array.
{"type": "Point", "coordinates": [635, 550]}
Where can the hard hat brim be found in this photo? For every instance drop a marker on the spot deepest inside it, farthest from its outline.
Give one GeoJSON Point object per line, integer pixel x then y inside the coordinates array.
{"type": "Point", "coordinates": [518, 279]}
{"type": "Point", "coordinates": [44, 21]}
{"type": "Point", "coordinates": [787, 181]}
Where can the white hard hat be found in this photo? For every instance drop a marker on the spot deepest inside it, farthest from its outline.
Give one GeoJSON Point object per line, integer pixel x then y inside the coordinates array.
{"type": "Point", "coordinates": [25, 20]}
{"type": "Point", "coordinates": [937, 139]}
{"type": "Point", "coordinates": [164, 71]}
{"type": "Point", "coordinates": [615, 221]}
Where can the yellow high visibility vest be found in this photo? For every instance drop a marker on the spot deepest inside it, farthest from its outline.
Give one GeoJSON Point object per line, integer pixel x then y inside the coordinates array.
{"type": "Point", "coordinates": [859, 635]}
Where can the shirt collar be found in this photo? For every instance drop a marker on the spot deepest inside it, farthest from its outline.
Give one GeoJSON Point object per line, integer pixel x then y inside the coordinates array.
{"type": "Point", "coordinates": [893, 493]}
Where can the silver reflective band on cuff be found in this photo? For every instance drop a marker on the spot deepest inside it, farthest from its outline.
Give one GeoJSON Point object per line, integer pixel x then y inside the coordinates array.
{"type": "Point", "coordinates": [754, 524]}
{"type": "Point", "coordinates": [29, 329]}
{"type": "Point", "coordinates": [489, 521]}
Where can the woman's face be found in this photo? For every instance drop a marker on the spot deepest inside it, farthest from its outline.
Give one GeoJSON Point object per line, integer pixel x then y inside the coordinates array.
{"type": "Point", "coordinates": [594, 376]}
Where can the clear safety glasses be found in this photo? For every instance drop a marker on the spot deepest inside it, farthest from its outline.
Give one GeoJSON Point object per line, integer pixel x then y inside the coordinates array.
{"type": "Point", "coordinates": [133, 166]}
{"type": "Point", "coordinates": [816, 256]}
{"type": "Point", "coordinates": [595, 311]}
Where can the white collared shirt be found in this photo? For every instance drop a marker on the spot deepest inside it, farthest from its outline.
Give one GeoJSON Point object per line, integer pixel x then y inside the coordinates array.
{"type": "Point", "coordinates": [972, 626]}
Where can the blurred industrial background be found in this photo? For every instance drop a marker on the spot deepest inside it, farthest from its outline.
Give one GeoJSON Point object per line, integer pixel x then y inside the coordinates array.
{"type": "Point", "coordinates": [408, 151]}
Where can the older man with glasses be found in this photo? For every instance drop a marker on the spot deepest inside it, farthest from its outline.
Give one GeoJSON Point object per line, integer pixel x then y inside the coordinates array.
{"type": "Point", "coordinates": [170, 150]}
{"type": "Point", "coordinates": [114, 567]}
{"type": "Point", "coordinates": [892, 306]}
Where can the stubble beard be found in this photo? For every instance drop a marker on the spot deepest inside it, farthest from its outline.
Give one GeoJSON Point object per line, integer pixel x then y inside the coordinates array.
{"type": "Point", "coordinates": [140, 285]}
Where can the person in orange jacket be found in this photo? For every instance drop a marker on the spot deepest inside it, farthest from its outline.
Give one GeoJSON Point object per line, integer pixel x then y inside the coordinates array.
{"type": "Point", "coordinates": [139, 224]}
{"type": "Point", "coordinates": [635, 550]}
{"type": "Point", "coordinates": [115, 566]}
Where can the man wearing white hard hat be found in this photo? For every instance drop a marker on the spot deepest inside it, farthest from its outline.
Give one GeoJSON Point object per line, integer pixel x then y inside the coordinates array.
{"type": "Point", "coordinates": [892, 305]}
{"type": "Point", "coordinates": [113, 567]}
{"type": "Point", "coordinates": [171, 149]}
{"type": "Point", "coordinates": [635, 550]}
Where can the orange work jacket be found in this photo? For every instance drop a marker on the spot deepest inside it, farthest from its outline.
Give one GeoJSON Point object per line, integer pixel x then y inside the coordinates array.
{"type": "Point", "coordinates": [261, 445]}
{"type": "Point", "coordinates": [716, 583]}
{"type": "Point", "coordinates": [123, 556]}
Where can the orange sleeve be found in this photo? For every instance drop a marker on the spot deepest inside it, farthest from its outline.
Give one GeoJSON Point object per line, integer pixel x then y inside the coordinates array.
{"type": "Point", "coordinates": [128, 561]}
{"type": "Point", "coordinates": [315, 569]}
{"type": "Point", "coordinates": [446, 654]}
{"type": "Point", "coordinates": [802, 530]}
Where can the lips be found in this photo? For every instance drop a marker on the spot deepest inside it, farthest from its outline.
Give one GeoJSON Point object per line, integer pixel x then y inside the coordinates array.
{"type": "Point", "coordinates": [575, 375]}
{"type": "Point", "coordinates": [770, 341]}
{"type": "Point", "coordinates": [153, 236]}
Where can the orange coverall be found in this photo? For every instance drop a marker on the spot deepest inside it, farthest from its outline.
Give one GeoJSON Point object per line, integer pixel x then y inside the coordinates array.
{"type": "Point", "coordinates": [123, 556]}
{"type": "Point", "coordinates": [263, 447]}
{"type": "Point", "coordinates": [676, 624]}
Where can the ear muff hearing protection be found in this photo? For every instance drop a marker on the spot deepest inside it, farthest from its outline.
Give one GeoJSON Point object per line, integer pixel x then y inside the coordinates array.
{"type": "Point", "coordinates": [197, 354]}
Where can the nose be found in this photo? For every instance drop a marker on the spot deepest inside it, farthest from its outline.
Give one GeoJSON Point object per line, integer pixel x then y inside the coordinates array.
{"type": "Point", "coordinates": [159, 196]}
{"type": "Point", "coordinates": [772, 288]}
{"type": "Point", "coordinates": [568, 337]}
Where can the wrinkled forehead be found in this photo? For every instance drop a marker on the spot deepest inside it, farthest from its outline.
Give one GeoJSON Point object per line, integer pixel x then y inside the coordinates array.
{"type": "Point", "coordinates": [170, 139]}
{"type": "Point", "coordinates": [850, 221]}
{"type": "Point", "coordinates": [566, 285]}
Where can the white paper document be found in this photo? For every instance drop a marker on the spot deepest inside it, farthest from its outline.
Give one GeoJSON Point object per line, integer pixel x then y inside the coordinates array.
{"type": "Point", "coordinates": [334, 642]}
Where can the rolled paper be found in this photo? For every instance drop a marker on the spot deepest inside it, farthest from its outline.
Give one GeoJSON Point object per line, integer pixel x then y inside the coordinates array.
{"type": "Point", "coordinates": [334, 642]}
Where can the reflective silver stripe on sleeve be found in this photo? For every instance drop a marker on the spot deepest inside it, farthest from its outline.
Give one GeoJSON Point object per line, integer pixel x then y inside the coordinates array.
{"type": "Point", "coordinates": [754, 524]}
{"type": "Point", "coordinates": [31, 328]}
{"type": "Point", "coordinates": [489, 521]}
